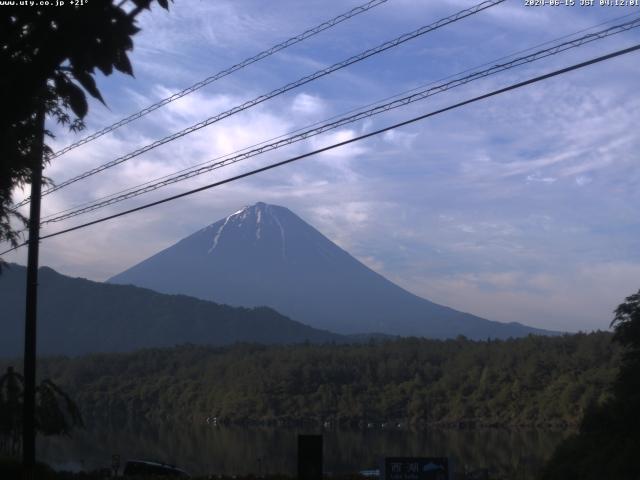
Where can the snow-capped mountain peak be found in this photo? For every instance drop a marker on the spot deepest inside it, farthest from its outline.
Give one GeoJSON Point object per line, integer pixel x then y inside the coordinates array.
{"type": "Point", "coordinates": [247, 226]}
{"type": "Point", "coordinates": [266, 255]}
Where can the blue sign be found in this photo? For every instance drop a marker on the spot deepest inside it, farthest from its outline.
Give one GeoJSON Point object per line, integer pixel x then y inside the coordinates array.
{"type": "Point", "coordinates": [416, 468]}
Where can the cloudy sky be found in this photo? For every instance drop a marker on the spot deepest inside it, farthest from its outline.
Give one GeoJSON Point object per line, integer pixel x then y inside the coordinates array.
{"type": "Point", "coordinates": [523, 207]}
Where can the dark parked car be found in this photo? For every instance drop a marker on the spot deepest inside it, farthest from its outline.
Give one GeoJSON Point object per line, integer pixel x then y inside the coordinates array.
{"type": "Point", "coordinates": [142, 467]}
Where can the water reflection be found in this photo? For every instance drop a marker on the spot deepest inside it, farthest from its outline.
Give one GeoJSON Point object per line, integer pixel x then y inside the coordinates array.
{"type": "Point", "coordinates": [204, 449]}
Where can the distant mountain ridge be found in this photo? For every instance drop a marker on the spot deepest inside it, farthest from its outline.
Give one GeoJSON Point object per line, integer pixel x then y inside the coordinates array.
{"type": "Point", "coordinates": [78, 316]}
{"type": "Point", "coordinates": [266, 255]}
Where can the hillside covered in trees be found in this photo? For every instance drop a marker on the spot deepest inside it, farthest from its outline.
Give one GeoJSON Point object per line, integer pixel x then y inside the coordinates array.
{"type": "Point", "coordinates": [534, 381]}
{"type": "Point", "coordinates": [78, 316]}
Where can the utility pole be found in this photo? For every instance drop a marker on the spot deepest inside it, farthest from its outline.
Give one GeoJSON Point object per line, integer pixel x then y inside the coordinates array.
{"type": "Point", "coordinates": [30, 321]}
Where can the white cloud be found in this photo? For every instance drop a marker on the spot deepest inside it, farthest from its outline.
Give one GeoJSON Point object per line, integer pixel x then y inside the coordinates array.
{"type": "Point", "coordinates": [307, 104]}
{"type": "Point", "coordinates": [397, 138]}
{"type": "Point", "coordinates": [582, 180]}
{"type": "Point", "coordinates": [466, 228]}
{"type": "Point", "coordinates": [537, 178]}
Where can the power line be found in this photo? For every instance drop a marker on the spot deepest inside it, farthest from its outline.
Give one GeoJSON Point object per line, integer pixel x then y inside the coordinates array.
{"type": "Point", "coordinates": [223, 73]}
{"type": "Point", "coordinates": [334, 117]}
{"type": "Point", "coordinates": [346, 142]}
{"type": "Point", "coordinates": [492, 62]}
{"type": "Point", "coordinates": [279, 91]}
{"type": "Point", "coordinates": [401, 102]}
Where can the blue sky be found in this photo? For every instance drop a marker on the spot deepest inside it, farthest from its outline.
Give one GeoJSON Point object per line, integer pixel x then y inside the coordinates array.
{"type": "Point", "coordinates": [523, 207]}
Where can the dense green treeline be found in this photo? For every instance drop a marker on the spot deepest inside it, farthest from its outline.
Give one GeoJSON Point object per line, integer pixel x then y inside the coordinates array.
{"type": "Point", "coordinates": [543, 381]}
{"type": "Point", "coordinates": [608, 440]}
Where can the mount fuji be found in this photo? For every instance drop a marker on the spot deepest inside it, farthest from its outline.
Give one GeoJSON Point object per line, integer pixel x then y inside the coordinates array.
{"type": "Point", "coordinates": [265, 255]}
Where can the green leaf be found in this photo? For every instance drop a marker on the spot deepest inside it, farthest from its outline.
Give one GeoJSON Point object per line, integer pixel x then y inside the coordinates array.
{"type": "Point", "coordinates": [89, 84]}
{"type": "Point", "coordinates": [123, 64]}
{"type": "Point", "coordinates": [72, 94]}
{"type": "Point", "coordinates": [146, 4]}
{"type": "Point", "coordinates": [77, 100]}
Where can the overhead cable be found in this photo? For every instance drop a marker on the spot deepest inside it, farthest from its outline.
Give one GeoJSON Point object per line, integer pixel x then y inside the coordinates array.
{"type": "Point", "coordinates": [223, 73]}
{"type": "Point", "coordinates": [400, 102]}
{"type": "Point", "coordinates": [279, 91]}
{"type": "Point", "coordinates": [345, 142]}
{"type": "Point", "coordinates": [354, 110]}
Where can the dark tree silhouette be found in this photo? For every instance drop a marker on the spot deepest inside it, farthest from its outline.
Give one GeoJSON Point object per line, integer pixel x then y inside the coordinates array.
{"type": "Point", "coordinates": [48, 58]}
{"type": "Point", "coordinates": [627, 326]}
{"type": "Point", "coordinates": [11, 386]}
{"type": "Point", "coordinates": [56, 412]}
{"type": "Point", "coordinates": [608, 442]}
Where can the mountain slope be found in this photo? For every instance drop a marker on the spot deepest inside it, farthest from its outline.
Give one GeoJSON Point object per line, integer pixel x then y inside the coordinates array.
{"type": "Point", "coordinates": [266, 255]}
{"type": "Point", "coordinates": [77, 316]}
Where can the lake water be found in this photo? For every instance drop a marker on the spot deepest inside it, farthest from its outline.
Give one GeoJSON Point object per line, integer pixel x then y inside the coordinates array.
{"type": "Point", "coordinates": [204, 449]}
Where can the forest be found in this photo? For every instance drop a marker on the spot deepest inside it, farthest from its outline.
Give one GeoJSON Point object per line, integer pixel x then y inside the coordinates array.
{"type": "Point", "coordinates": [534, 381]}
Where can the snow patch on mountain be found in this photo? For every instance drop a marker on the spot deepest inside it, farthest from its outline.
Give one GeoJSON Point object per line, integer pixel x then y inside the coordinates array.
{"type": "Point", "coordinates": [216, 238]}
{"type": "Point", "coordinates": [258, 224]}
